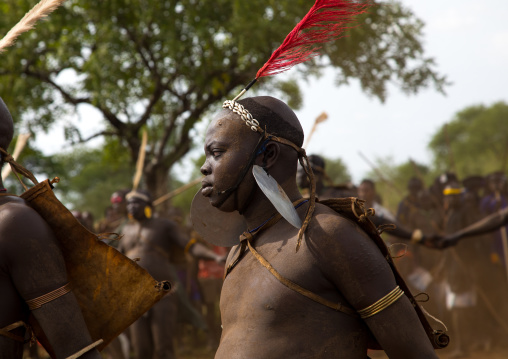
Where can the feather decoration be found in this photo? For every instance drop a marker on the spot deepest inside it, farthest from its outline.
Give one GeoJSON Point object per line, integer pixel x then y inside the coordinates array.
{"type": "Point", "coordinates": [326, 20]}
{"type": "Point", "coordinates": [39, 11]}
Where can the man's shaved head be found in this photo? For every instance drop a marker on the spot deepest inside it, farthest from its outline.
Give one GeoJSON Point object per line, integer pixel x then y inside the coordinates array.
{"type": "Point", "coordinates": [276, 116]}
{"type": "Point", "coordinates": [6, 126]}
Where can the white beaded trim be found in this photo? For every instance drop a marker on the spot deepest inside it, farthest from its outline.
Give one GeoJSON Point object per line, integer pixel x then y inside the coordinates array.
{"type": "Point", "coordinates": [243, 113]}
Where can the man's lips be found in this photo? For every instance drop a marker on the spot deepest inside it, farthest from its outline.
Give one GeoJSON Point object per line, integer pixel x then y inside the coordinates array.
{"type": "Point", "coordinates": [207, 190]}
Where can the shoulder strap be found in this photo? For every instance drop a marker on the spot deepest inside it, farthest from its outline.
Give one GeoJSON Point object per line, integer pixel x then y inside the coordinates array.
{"type": "Point", "coordinates": [247, 237]}
{"type": "Point", "coordinates": [6, 331]}
{"type": "Point", "coordinates": [292, 285]}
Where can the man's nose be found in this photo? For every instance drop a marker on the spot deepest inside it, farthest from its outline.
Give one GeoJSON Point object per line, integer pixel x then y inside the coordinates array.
{"type": "Point", "coordinates": [205, 169]}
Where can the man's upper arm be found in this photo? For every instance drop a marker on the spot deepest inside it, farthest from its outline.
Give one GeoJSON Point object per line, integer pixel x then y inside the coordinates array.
{"type": "Point", "coordinates": [36, 267]}
{"type": "Point", "coordinates": [354, 263]}
{"type": "Point", "coordinates": [35, 262]}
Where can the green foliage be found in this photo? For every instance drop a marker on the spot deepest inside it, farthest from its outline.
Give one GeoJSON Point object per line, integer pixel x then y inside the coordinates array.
{"type": "Point", "coordinates": [391, 179]}
{"type": "Point", "coordinates": [386, 47]}
{"type": "Point", "coordinates": [474, 142]}
{"type": "Point", "coordinates": [167, 64]}
{"type": "Point", "coordinates": [337, 170]}
{"type": "Point", "coordinates": [184, 200]}
{"type": "Point", "coordinates": [88, 177]}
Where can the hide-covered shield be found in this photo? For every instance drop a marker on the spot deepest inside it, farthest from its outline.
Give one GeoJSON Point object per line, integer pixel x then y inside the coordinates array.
{"type": "Point", "coordinates": [111, 289]}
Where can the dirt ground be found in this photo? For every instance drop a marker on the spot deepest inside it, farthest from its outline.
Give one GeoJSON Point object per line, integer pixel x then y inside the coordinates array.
{"type": "Point", "coordinates": [499, 354]}
{"type": "Point", "coordinates": [443, 354]}
{"type": "Point", "coordinates": [203, 353]}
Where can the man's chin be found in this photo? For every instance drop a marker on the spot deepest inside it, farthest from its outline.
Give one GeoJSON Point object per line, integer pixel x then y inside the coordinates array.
{"type": "Point", "coordinates": [221, 205]}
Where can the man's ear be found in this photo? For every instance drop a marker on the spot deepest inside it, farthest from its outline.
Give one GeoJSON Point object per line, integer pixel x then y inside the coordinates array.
{"type": "Point", "coordinates": [269, 156]}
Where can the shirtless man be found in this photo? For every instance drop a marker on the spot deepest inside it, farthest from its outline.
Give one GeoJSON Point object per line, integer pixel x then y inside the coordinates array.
{"type": "Point", "coordinates": [150, 239]}
{"type": "Point", "coordinates": [261, 317]}
{"type": "Point", "coordinates": [31, 266]}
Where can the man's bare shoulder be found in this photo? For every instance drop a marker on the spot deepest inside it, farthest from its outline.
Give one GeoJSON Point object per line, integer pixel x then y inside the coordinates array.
{"type": "Point", "coordinates": [16, 214]}
{"type": "Point", "coordinates": [347, 254]}
{"type": "Point", "coordinates": [335, 229]}
{"type": "Point", "coordinates": [23, 232]}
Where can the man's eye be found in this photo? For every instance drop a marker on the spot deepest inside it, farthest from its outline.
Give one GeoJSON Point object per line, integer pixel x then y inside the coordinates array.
{"type": "Point", "coordinates": [216, 153]}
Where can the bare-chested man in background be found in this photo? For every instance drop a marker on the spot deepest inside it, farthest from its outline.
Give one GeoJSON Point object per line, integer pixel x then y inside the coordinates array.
{"type": "Point", "coordinates": [149, 240]}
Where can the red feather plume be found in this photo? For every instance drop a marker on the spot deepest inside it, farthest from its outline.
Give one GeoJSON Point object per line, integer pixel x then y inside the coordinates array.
{"type": "Point", "coordinates": [326, 20]}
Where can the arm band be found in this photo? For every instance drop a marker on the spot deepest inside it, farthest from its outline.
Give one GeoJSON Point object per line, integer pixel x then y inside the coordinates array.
{"type": "Point", "coordinates": [382, 303]}
{"type": "Point", "coordinates": [48, 297]}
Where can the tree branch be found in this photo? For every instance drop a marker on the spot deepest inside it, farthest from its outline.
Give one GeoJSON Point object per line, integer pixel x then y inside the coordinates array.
{"type": "Point", "coordinates": [156, 96]}
{"type": "Point", "coordinates": [165, 138]}
{"type": "Point", "coordinates": [98, 134]}
{"type": "Point", "coordinates": [67, 96]}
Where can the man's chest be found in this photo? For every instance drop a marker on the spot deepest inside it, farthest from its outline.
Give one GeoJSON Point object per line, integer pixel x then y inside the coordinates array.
{"type": "Point", "coordinates": [136, 236]}
{"type": "Point", "coordinates": [252, 288]}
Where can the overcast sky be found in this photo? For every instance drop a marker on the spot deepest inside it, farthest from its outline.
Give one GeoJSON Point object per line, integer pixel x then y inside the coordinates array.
{"type": "Point", "coordinates": [468, 39]}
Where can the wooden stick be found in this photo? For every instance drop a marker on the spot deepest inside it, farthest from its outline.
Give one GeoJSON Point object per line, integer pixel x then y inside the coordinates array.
{"type": "Point", "coordinates": [177, 191]}
{"type": "Point", "coordinates": [380, 175]}
{"type": "Point", "coordinates": [141, 162]}
{"type": "Point", "coordinates": [20, 145]}
{"type": "Point", "coordinates": [321, 118]}
{"type": "Point", "coordinates": [450, 151]}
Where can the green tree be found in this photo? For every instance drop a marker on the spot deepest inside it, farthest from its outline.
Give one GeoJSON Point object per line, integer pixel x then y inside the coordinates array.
{"type": "Point", "coordinates": [474, 142]}
{"type": "Point", "coordinates": [164, 65]}
{"type": "Point", "coordinates": [391, 179]}
{"type": "Point", "coordinates": [337, 170]}
{"type": "Point", "coordinates": [88, 176]}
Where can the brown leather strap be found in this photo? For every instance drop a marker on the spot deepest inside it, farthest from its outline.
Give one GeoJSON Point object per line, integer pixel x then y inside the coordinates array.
{"type": "Point", "coordinates": [248, 237]}
{"type": "Point", "coordinates": [291, 285]}
{"type": "Point", "coordinates": [86, 349]}
{"type": "Point", "coordinates": [17, 168]}
{"type": "Point", "coordinates": [48, 297]}
{"type": "Point", "coordinates": [6, 331]}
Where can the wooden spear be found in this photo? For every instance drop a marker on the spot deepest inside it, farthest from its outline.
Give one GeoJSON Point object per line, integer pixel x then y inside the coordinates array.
{"type": "Point", "coordinates": [321, 118]}
{"type": "Point", "coordinates": [20, 145]}
{"type": "Point", "coordinates": [141, 162]}
{"type": "Point", "coordinates": [177, 191]}
{"type": "Point", "coordinates": [380, 174]}
{"type": "Point", "coordinates": [450, 151]}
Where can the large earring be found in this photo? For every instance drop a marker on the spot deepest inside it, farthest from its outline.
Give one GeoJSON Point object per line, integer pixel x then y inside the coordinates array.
{"type": "Point", "coordinates": [148, 212]}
